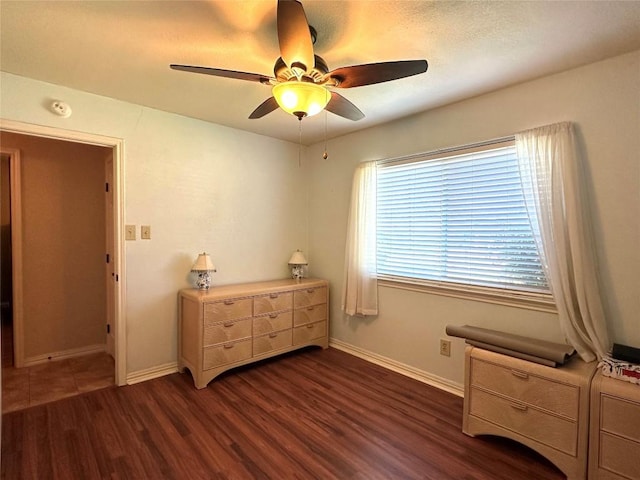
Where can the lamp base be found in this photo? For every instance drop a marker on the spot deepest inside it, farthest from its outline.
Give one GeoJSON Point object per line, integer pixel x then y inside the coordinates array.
{"type": "Point", "coordinates": [297, 271]}
{"type": "Point", "coordinates": [203, 282]}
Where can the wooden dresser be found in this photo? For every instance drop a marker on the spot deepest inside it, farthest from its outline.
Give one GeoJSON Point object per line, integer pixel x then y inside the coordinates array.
{"type": "Point", "coordinates": [542, 407]}
{"type": "Point", "coordinates": [234, 325]}
{"type": "Point", "coordinates": [614, 443]}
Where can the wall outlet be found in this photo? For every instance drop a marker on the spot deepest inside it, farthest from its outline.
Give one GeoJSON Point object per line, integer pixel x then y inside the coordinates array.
{"type": "Point", "coordinates": [145, 232]}
{"type": "Point", "coordinates": [445, 347]}
{"type": "Point", "coordinates": [129, 232]}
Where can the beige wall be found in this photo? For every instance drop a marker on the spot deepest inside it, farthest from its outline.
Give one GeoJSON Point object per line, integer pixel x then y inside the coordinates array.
{"type": "Point", "coordinates": [603, 100]}
{"type": "Point", "coordinates": [242, 197]}
{"type": "Point", "coordinates": [237, 195]}
{"type": "Point", "coordinates": [63, 215]}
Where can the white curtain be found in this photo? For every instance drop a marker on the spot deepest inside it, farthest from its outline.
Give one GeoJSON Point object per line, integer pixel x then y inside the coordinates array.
{"type": "Point", "coordinates": [550, 168]}
{"type": "Point", "coordinates": [360, 286]}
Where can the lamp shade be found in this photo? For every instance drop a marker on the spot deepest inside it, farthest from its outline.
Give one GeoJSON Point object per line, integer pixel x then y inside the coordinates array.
{"type": "Point", "coordinates": [203, 264]}
{"type": "Point", "coordinates": [297, 258]}
{"type": "Point", "coordinates": [302, 99]}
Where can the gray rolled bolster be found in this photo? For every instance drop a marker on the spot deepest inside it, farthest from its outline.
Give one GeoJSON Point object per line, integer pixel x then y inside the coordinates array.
{"type": "Point", "coordinates": [532, 349]}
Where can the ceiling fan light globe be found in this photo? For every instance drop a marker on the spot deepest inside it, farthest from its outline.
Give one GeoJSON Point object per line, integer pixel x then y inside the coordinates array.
{"type": "Point", "coordinates": [298, 98]}
{"type": "Point", "coordinates": [288, 100]}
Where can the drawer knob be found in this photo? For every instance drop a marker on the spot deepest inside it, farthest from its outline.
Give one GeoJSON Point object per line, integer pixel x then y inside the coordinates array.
{"type": "Point", "coordinates": [273, 295]}
{"type": "Point", "coordinates": [227, 346]}
{"type": "Point", "coordinates": [310, 290]}
{"type": "Point", "coordinates": [273, 335]}
{"type": "Point", "coordinates": [310, 325]}
{"type": "Point", "coordinates": [227, 324]}
{"type": "Point", "coordinates": [519, 374]}
{"type": "Point", "coordinates": [228, 302]}
{"type": "Point", "coordinates": [519, 406]}
{"type": "Point", "coordinates": [310, 308]}
{"type": "Point", "coordinates": [273, 315]}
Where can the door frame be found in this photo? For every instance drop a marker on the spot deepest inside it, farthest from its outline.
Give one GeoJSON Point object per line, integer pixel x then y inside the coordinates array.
{"type": "Point", "coordinates": [16, 252]}
{"type": "Point", "coordinates": [119, 286]}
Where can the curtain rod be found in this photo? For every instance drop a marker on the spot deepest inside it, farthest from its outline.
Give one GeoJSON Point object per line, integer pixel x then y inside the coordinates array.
{"type": "Point", "coordinates": [440, 151]}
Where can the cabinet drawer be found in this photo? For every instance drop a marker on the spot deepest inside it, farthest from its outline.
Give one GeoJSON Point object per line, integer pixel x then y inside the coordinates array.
{"type": "Point", "coordinates": [542, 427]}
{"type": "Point", "coordinates": [226, 331]}
{"type": "Point", "coordinates": [620, 417]}
{"type": "Point", "coordinates": [271, 323]}
{"type": "Point", "coordinates": [540, 392]}
{"type": "Point", "coordinates": [271, 341]}
{"type": "Point", "coordinates": [310, 296]}
{"type": "Point", "coordinates": [620, 456]}
{"type": "Point", "coordinates": [226, 310]}
{"type": "Point", "coordinates": [309, 332]}
{"type": "Point", "coordinates": [272, 302]}
{"type": "Point", "coordinates": [226, 353]}
{"type": "Point", "coordinates": [311, 314]}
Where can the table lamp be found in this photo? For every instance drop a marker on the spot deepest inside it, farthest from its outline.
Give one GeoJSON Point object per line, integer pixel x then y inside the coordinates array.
{"type": "Point", "coordinates": [203, 267]}
{"type": "Point", "coordinates": [297, 263]}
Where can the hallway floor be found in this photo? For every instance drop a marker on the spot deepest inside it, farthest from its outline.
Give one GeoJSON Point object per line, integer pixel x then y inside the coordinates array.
{"type": "Point", "coordinates": [29, 386]}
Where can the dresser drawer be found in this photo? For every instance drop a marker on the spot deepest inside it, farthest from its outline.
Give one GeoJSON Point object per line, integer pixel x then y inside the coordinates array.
{"type": "Point", "coordinates": [226, 331]}
{"type": "Point", "coordinates": [620, 456]}
{"type": "Point", "coordinates": [309, 296]}
{"type": "Point", "coordinates": [620, 417]}
{"type": "Point", "coordinates": [271, 341]}
{"type": "Point", "coordinates": [226, 353]}
{"type": "Point", "coordinates": [272, 303]}
{"type": "Point", "coordinates": [314, 313]}
{"type": "Point", "coordinates": [522, 386]}
{"type": "Point", "coordinates": [309, 332]}
{"type": "Point", "coordinates": [537, 425]}
{"type": "Point", "coordinates": [225, 310]}
{"type": "Point", "coordinates": [272, 322]}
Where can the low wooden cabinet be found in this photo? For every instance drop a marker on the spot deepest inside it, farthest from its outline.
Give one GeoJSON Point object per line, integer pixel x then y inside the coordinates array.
{"type": "Point", "coordinates": [234, 325]}
{"type": "Point", "coordinates": [615, 430]}
{"type": "Point", "coordinates": [542, 407]}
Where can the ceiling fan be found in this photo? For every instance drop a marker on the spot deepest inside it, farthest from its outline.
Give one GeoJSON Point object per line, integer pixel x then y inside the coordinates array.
{"type": "Point", "coordinates": [302, 80]}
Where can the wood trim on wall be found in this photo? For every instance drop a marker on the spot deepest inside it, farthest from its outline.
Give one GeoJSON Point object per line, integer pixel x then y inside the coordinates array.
{"type": "Point", "coordinates": [75, 352]}
{"type": "Point", "coordinates": [398, 367]}
{"type": "Point", "coordinates": [117, 144]}
{"type": "Point", "coordinates": [151, 373]}
{"type": "Point", "coordinates": [16, 254]}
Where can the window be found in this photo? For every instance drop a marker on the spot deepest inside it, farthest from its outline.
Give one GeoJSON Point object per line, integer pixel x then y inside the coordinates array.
{"type": "Point", "coordinates": [457, 220]}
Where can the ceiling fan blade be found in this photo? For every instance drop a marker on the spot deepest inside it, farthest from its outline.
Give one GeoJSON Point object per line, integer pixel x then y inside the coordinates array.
{"type": "Point", "coordinates": [368, 74]}
{"type": "Point", "coordinates": [294, 36]}
{"type": "Point", "coordinates": [343, 107]}
{"type": "Point", "coordinates": [218, 72]}
{"type": "Point", "coordinates": [268, 106]}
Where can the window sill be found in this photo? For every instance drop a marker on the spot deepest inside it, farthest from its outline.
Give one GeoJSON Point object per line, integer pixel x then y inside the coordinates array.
{"type": "Point", "coordinates": [511, 298]}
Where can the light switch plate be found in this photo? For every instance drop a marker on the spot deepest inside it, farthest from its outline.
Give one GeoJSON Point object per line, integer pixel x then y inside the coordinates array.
{"type": "Point", "coordinates": [145, 232]}
{"type": "Point", "coordinates": [130, 232]}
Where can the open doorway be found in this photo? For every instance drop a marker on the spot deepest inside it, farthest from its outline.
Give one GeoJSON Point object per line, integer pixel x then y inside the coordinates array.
{"type": "Point", "coordinates": [6, 283]}
{"type": "Point", "coordinates": [110, 152]}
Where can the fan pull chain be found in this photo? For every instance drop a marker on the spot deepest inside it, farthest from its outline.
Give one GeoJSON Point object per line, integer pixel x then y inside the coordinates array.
{"type": "Point", "coordinates": [299, 141]}
{"type": "Point", "coordinates": [325, 155]}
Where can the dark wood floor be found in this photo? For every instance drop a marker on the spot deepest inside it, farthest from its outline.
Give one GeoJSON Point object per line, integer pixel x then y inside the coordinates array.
{"type": "Point", "coordinates": [315, 414]}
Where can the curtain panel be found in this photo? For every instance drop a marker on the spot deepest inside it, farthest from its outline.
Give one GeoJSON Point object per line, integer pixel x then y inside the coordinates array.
{"type": "Point", "coordinates": [360, 285]}
{"type": "Point", "coordinates": [551, 174]}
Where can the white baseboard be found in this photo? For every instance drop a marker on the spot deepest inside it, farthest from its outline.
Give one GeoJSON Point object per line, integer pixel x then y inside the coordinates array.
{"type": "Point", "coordinates": [151, 373]}
{"type": "Point", "coordinates": [393, 365]}
{"type": "Point", "coordinates": [74, 352]}
{"type": "Point", "coordinates": [398, 367]}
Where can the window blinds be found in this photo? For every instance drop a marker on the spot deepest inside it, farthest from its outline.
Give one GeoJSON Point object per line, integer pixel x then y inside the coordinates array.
{"type": "Point", "coordinates": [458, 219]}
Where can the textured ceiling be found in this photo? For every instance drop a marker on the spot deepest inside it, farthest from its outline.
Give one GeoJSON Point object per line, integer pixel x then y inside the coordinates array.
{"type": "Point", "coordinates": [122, 49]}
